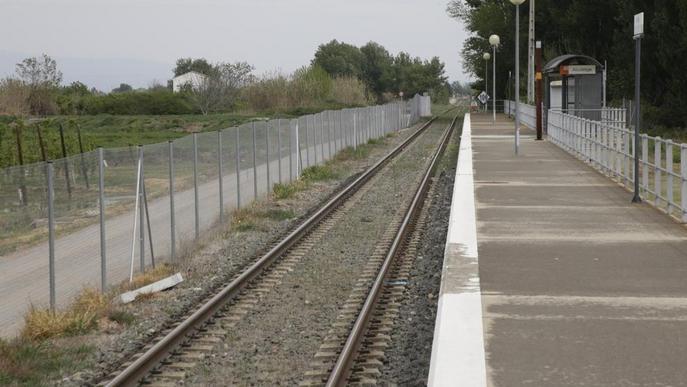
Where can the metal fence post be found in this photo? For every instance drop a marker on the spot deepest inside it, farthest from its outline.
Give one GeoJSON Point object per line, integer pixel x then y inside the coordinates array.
{"type": "Point", "coordinates": [267, 158]}
{"type": "Point", "coordinates": [219, 174]}
{"type": "Point", "coordinates": [51, 233]}
{"type": "Point", "coordinates": [329, 132]}
{"type": "Point", "coordinates": [255, 166]}
{"type": "Point", "coordinates": [141, 216]}
{"type": "Point", "coordinates": [307, 144]}
{"type": "Point", "coordinates": [172, 219]}
{"type": "Point", "coordinates": [355, 131]}
{"type": "Point", "coordinates": [238, 167]}
{"type": "Point", "coordinates": [314, 136]}
{"type": "Point", "coordinates": [291, 137]}
{"type": "Point", "coordinates": [279, 148]}
{"type": "Point", "coordinates": [101, 193]}
{"type": "Point", "coordinates": [195, 183]}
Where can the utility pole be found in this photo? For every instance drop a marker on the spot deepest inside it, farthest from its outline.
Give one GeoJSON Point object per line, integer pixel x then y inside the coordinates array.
{"type": "Point", "coordinates": [539, 92]}
{"type": "Point", "coordinates": [530, 57]}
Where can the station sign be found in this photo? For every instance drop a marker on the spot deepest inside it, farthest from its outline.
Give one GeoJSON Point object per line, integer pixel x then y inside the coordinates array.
{"type": "Point", "coordinates": [578, 70]}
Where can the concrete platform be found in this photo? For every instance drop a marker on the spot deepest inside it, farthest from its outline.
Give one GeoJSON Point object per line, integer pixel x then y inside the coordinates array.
{"type": "Point", "coordinates": [576, 285]}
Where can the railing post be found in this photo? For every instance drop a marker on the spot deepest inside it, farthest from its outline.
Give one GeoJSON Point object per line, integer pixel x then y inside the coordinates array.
{"type": "Point", "coordinates": [195, 184]}
{"type": "Point", "coordinates": [669, 176]}
{"type": "Point", "coordinates": [618, 139]}
{"type": "Point", "coordinates": [171, 202]}
{"type": "Point", "coordinates": [657, 170]}
{"type": "Point", "coordinates": [627, 155]}
{"type": "Point", "coordinates": [51, 233]}
{"type": "Point", "coordinates": [645, 162]}
{"type": "Point", "coordinates": [683, 173]}
{"type": "Point", "coordinates": [101, 205]}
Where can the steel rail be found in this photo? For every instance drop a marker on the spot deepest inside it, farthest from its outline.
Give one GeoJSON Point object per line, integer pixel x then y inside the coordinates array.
{"type": "Point", "coordinates": [342, 367]}
{"type": "Point", "coordinates": [137, 370]}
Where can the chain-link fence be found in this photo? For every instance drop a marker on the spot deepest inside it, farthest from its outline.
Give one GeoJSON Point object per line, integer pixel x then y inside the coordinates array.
{"type": "Point", "coordinates": [118, 211]}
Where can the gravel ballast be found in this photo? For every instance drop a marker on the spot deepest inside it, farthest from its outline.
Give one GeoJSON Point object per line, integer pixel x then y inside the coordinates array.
{"type": "Point", "coordinates": [275, 343]}
{"type": "Point", "coordinates": [408, 357]}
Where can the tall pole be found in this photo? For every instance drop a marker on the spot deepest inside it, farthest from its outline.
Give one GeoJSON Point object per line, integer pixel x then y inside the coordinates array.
{"type": "Point", "coordinates": [638, 34]}
{"type": "Point", "coordinates": [517, 78]}
{"type": "Point", "coordinates": [539, 92]}
{"type": "Point", "coordinates": [530, 56]}
{"type": "Point", "coordinates": [486, 79]}
{"type": "Point", "coordinates": [493, 84]}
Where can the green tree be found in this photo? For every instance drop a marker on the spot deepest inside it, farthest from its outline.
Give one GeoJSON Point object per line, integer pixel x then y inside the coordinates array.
{"type": "Point", "coordinates": [377, 72]}
{"type": "Point", "coordinates": [43, 79]}
{"type": "Point", "coordinates": [184, 65]}
{"type": "Point", "coordinates": [600, 29]}
{"type": "Point", "coordinates": [123, 88]}
{"type": "Point", "coordinates": [339, 59]}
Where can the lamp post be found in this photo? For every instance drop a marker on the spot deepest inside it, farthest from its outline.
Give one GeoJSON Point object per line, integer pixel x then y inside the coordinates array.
{"type": "Point", "coordinates": [517, 3]}
{"type": "Point", "coordinates": [486, 57]}
{"type": "Point", "coordinates": [638, 34]}
{"type": "Point", "coordinates": [494, 40]}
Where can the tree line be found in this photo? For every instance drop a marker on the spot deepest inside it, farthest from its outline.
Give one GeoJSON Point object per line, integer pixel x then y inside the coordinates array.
{"type": "Point", "coordinates": [340, 75]}
{"type": "Point", "coordinates": [600, 29]}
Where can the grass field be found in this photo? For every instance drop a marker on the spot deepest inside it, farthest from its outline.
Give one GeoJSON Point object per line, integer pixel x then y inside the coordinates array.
{"type": "Point", "coordinates": [108, 131]}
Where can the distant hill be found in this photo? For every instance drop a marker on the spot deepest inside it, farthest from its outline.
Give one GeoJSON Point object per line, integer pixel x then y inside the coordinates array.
{"type": "Point", "coordinates": [102, 73]}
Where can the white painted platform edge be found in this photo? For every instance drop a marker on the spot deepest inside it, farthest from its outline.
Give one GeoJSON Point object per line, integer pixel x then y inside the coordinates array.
{"type": "Point", "coordinates": [158, 286]}
{"type": "Point", "coordinates": [458, 356]}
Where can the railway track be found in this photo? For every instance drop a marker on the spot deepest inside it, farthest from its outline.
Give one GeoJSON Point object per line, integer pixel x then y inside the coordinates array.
{"type": "Point", "coordinates": [353, 351]}
{"type": "Point", "coordinates": [180, 347]}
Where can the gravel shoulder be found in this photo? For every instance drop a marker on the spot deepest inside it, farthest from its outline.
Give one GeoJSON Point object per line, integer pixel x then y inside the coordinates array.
{"type": "Point", "coordinates": [275, 343]}
{"type": "Point", "coordinates": [220, 255]}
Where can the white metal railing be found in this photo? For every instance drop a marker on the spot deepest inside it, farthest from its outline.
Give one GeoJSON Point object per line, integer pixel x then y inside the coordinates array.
{"type": "Point", "coordinates": [612, 116]}
{"type": "Point", "coordinates": [609, 147]}
{"type": "Point", "coordinates": [528, 113]}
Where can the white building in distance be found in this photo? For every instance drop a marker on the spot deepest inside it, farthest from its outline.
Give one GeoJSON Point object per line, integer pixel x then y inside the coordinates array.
{"type": "Point", "coordinates": [192, 78]}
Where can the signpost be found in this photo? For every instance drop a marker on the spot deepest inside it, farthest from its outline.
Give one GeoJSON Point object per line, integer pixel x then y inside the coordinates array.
{"type": "Point", "coordinates": [638, 34]}
{"type": "Point", "coordinates": [483, 97]}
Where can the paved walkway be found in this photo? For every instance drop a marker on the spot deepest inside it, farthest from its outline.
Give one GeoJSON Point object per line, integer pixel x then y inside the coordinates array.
{"type": "Point", "coordinates": [551, 277]}
{"type": "Point", "coordinates": [579, 287]}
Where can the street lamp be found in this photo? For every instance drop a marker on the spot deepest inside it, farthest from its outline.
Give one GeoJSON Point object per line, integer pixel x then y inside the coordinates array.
{"type": "Point", "coordinates": [517, 3]}
{"type": "Point", "coordinates": [494, 40]}
{"type": "Point", "coordinates": [486, 57]}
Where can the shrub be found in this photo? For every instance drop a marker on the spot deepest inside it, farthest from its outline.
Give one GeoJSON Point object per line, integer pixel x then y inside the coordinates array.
{"type": "Point", "coordinates": [156, 102]}
{"type": "Point", "coordinates": [318, 173]}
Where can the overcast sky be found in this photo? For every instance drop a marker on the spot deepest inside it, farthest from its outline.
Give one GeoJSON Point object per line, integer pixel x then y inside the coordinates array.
{"type": "Point", "coordinates": [105, 42]}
